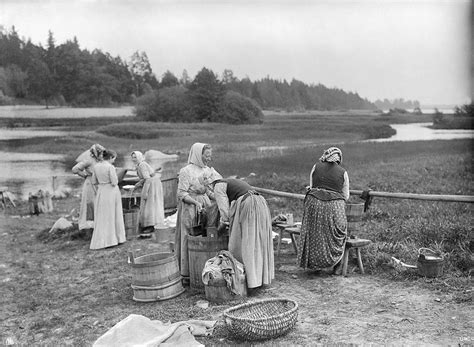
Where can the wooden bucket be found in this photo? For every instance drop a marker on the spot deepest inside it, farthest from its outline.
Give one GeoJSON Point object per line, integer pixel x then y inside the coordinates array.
{"type": "Point", "coordinates": [354, 213]}
{"type": "Point", "coordinates": [155, 277]}
{"type": "Point", "coordinates": [200, 250]}
{"type": "Point", "coordinates": [130, 219]}
{"type": "Point", "coordinates": [429, 263]}
{"type": "Point", "coordinates": [158, 293]}
{"type": "Point", "coordinates": [217, 291]}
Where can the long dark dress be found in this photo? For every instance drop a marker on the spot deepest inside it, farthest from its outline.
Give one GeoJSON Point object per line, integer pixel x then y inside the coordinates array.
{"type": "Point", "coordinates": [324, 226]}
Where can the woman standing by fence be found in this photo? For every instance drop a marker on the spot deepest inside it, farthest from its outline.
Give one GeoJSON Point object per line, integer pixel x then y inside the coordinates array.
{"type": "Point", "coordinates": [324, 225]}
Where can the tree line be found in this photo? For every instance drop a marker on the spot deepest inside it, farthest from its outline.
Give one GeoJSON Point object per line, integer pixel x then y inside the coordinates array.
{"type": "Point", "coordinates": [400, 103]}
{"type": "Point", "coordinates": [65, 74]}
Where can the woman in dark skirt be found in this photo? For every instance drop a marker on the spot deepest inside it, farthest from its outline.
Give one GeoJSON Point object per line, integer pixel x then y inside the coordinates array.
{"type": "Point", "coordinates": [324, 225]}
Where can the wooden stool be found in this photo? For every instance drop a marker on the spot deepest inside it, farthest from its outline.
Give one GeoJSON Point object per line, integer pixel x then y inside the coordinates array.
{"type": "Point", "coordinates": [294, 231]}
{"type": "Point", "coordinates": [356, 244]}
{"type": "Point", "coordinates": [289, 228]}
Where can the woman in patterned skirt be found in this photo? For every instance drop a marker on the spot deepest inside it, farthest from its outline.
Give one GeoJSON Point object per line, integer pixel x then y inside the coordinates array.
{"type": "Point", "coordinates": [324, 225]}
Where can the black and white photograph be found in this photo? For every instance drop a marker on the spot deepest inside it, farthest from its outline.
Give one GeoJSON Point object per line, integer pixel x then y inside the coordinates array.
{"type": "Point", "coordinates": [236, 173]}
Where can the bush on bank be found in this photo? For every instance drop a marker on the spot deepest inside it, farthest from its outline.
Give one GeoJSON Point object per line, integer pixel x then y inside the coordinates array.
{"type": "Point", "coordinates": [178, 104]}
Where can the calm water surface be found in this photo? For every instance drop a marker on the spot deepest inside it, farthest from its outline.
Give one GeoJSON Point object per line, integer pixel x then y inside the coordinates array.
{"type": "Point", "coordinates": [422, 132]}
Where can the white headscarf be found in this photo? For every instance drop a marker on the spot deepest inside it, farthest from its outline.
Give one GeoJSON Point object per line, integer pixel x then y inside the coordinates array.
{"type": "Point", "coordinates": [139, 156]}
{"type": "Point", "coordinates": [195, 154]}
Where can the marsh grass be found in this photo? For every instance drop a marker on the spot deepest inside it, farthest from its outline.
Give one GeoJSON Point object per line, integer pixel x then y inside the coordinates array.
{"type": "Point", "coordinates": [397, 227]}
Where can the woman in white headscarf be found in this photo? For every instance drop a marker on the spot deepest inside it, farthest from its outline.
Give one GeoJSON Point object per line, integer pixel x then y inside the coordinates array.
{"type": "Point", "coordinates": [152, 212]}
{"type": "Point", "coordinates": [84, 168]}
{"type": "Point", "coordinates": [324, 225]}
{"type": "Point", "coordinates": [194, 196]}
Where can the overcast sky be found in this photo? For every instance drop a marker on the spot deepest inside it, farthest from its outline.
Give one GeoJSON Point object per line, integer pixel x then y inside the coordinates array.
{"type": "Point", "coordinates": [417, 50]}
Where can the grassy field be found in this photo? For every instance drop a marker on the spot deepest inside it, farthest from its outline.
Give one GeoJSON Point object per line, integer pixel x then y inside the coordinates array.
{"type": "Point", "coordinates": [59, 292]}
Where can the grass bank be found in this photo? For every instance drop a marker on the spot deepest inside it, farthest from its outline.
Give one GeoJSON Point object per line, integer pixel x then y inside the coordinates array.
{"type": "Point", "coordinates": [453, 122]}
{"type": "Point", "coordinates": [398, 227]}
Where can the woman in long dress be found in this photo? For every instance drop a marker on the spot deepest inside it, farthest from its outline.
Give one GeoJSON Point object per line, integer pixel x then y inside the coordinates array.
{"type": "Point", "coordinates": [193, 196]}
{"type": "Point", "coordinates": [324, 225]}
{"type": "Point", "coordinates": [84, 168]}
{"type": "Point", "coordinates": [250, 227]}
{"type": "Point", "coordinates": [109, 227]}
{"type": "Point", "coordinates": [152, 212]}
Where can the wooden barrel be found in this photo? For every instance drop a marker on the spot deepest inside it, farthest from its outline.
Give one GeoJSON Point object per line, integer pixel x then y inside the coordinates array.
{"type": "Point", "coordinates": [155, 277]}
{"type": "Point", "coordinates": [200, 250]}
{"type": "Point", "coordinates": [130, 219]}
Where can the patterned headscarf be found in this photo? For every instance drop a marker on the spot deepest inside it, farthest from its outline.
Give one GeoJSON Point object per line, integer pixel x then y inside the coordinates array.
{"type": "Point", "coordinates": [332, 155]}
{"type": "Point", "coordinates": [195, 154]}
{"type": "Point", "coordinates": [96, 151]}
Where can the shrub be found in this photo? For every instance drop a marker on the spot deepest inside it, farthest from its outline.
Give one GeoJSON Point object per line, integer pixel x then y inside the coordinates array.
{"type": "Point", "coordinates": [395, 111]}
{"type": "Point", "coordinates": [238, 109]}
{"type": "Point", "coordinates": [174, 104]}
{"type": "Point", "coordinates": [465, 110]}
{"type": "Point", "coordinates": [165, 105]}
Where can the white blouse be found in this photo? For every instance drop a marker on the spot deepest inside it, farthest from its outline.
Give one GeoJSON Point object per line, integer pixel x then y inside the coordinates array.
{"type": "Point", "coordinates": [222, 200]}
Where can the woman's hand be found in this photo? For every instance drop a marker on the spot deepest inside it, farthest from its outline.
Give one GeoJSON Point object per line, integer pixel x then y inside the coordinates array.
{"type": "Point", "coordinates": [222, 227]}
{"type": "Point", "coordinates": [198, 206]}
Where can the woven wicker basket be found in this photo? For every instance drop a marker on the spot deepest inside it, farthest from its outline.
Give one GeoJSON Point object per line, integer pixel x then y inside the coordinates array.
{"type": "Point", "coordinates": [263, 319]}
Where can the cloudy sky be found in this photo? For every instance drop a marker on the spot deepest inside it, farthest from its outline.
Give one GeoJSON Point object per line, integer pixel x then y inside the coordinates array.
{"type": "Point", "coordinates": [417, 49]}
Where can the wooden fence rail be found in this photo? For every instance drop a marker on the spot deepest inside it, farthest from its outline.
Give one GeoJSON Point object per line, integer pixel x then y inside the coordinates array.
{"type": "Point", "coordinates": [431, 197]}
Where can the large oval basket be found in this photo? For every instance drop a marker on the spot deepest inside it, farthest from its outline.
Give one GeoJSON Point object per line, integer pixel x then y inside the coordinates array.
{"type": "Point", "coordinates": [263, 319]}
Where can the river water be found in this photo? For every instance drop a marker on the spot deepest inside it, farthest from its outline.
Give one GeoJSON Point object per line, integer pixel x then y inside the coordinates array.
{"type": "Point", "coordinates": [23, 173]}
{"type": "Point", "coordinates": [423, 132]}
{"type": "Point", "coordinates": [27, 172]}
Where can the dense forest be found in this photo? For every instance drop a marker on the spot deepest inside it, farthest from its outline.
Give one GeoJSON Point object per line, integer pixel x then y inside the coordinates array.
{"type": "Point", "coordinates": [65, 74]}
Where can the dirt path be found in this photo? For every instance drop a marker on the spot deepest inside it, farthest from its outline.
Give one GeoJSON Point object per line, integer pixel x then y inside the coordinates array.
{"type": "Point", "coordinates": [62, 293]}
{"type": "Point", "coordinates": [368, 309]}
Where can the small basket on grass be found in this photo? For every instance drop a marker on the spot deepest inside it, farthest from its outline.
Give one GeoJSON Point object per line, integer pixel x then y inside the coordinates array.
{"type": "Point", "coordinates": [261, 320]}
